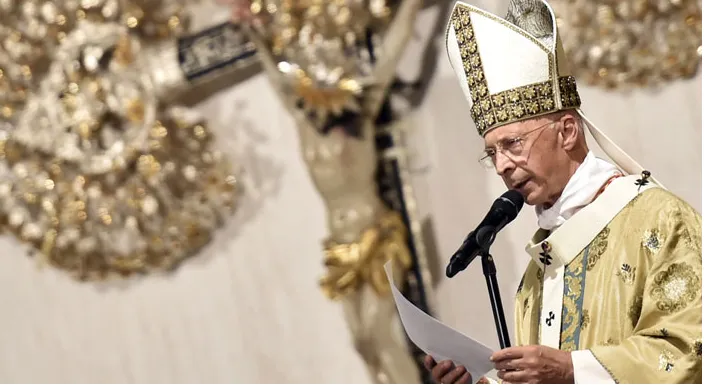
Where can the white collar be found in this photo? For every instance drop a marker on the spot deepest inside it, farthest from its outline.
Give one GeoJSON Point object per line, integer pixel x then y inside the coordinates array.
{"type": "Point", "coordinates": [581, 190]}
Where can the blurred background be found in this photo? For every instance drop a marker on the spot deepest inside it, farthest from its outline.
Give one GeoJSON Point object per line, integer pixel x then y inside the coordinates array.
{"type": "Point", "coordinates": [174, 229]}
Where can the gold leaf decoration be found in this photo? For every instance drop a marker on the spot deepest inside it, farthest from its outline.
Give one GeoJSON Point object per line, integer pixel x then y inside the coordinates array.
{"type": "Point", "coordinates": [351, 265]}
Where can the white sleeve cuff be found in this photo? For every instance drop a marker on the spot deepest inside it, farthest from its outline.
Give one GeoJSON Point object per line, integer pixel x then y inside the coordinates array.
{"type": "Point", "coordinates": [587, 370]}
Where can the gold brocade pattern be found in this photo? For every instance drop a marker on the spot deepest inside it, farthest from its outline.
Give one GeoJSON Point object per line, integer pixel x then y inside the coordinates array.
{"type": "Point", "coordinates": [494, 110]}
{"type": "Point", "coordinates": [627, 274]}
{"type": "Point", "coordinates": [626, 316]}
{"type": "Point", "coordinates": [623, 325]}
{"type": "Point", "coordinates": [572, 300]}
{"type": "Point", "coordinates": [527, 307]}
{"type": "Point", "coordinates": [355, 264]}
{"type": "Point", "coordinates": [693, 240]}
{"type": "Point", "coordinates": [597, 248]}
{"type": "Point", "coordinates": [585, 319]}
{"type": "Point", "coordinates": [652, 240]}
{"type": "Point", "coordinates": [676, 287]}
{"type": "Point", "coordinates": [634, 309]}
{"type": "Point", "coordinates": [666, 361]}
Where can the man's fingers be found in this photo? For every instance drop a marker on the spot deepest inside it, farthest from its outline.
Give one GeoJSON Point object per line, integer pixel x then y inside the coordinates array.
{"type": "Point", "coordinates": [441, 369]}
{"type": "Point", "coordinates": [507, 354]}
{"type": "Point", "coordinates": [454, 375]}
{"type": "Point", "coordinates": [510, 364]}
{"type": "Point", "coordinates": [514, 377]}
{"type": "Point", "coordinates": [429, 362]}
{"type": "Point", "coordinates": [467, 379]}
{"type": "Point", "coordinates": [502, 375]}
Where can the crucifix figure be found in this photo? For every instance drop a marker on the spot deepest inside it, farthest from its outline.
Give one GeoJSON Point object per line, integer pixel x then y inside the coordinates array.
{"type": "Point", "coordinates": [332, 64]}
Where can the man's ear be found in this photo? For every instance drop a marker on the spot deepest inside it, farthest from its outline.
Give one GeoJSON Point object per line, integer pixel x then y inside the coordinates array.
{"type": "Point", "coordinates": [571, 130]}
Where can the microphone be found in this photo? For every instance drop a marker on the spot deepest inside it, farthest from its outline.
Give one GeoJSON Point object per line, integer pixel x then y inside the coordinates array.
{"type": "Point", "coordinates": [502, 212]}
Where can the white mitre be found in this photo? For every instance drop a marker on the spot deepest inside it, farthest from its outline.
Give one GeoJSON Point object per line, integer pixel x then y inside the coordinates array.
{"type": "Point", "coordinates": [515, 69]}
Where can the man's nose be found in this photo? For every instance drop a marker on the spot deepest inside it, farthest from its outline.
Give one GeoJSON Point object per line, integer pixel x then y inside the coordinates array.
{"type": "Point", "coordinates": [503, 163]}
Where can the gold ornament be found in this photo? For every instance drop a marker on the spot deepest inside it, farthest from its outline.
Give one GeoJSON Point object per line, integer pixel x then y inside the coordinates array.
{"type": "Point", "coordinates": [676, 287]}
{"type": "Point", "coordinates": [652, 240]}
{"type": "Point", "coordinates": [631, 43]}
{"type": "Point", "coordinates": [354, 264]}
{"type": "Point", "coordinates": [321, 50]}
{"type": "Point", "coordinates": [95, 173]}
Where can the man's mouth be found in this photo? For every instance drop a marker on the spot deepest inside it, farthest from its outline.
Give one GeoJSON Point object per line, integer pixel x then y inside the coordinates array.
{"type": "Point", "coordinates": [520, 185]}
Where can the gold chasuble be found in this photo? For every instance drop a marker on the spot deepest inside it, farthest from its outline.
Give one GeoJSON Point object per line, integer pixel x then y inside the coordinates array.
{"type": "Point", "coordinates": [621, 278]}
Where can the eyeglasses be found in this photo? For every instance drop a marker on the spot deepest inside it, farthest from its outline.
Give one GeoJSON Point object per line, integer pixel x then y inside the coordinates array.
{"type": "Point", "coordinates": [510, 147]}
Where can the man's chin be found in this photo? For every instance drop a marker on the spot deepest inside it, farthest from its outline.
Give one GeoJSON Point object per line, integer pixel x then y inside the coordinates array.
{"type": "Point", "coordinates": [531, 198]}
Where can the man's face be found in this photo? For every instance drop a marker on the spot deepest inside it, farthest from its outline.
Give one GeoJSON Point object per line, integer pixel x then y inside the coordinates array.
{"type": "Point", "coordinates": [529, 156]}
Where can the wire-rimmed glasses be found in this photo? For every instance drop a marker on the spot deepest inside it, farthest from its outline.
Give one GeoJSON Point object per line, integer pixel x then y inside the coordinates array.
{"type": "Point", "coordinates": [511, 147]}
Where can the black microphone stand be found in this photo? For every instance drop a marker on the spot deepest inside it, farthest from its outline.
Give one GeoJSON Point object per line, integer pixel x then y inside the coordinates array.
{"type": "Point", "coordinates": [492, 285]}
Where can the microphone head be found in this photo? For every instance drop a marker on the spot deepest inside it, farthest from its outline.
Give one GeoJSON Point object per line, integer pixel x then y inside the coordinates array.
{"type": "Point", "coordinates": [511, 202]}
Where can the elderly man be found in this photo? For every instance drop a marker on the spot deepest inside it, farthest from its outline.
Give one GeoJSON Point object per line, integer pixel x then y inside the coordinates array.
{"type": "Point", "coordinates": [613, 289]}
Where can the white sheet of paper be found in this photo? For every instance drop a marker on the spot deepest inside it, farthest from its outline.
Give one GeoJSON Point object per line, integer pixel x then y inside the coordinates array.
{"type": "Point", "coordinates": [439, 340]}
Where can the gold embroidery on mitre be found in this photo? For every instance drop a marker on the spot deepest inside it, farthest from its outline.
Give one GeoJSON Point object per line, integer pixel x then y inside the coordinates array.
{"type": "Point", "coordinates": [351, 265]}
{"type": "Point", "coordinates": [627, 273]}
{"type": "Point", "coordinates": [597, 248]}
{"type": "Point", "coordinates": [520, 103]}
{"type": "Point", "coordinates": [666, 361]}
{"type": "Point", "coordinates": [675, 288]}
{"type": "Point", "coordinates": [568, 92]}
{"type": "Point", "coordinates": [652, 240]}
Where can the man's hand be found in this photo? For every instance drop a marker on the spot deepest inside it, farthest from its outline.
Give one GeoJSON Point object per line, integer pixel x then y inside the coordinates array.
{"type": "Point", "coordinates": [534, 365]}
{"type": "Point", "coordinates": [445, 372]}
